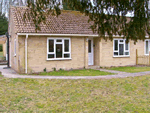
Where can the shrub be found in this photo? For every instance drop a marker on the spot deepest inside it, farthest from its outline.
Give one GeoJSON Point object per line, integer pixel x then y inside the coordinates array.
{"type": "Point", "coordinates": [1, 47]}
{"type": "Point", "coordinates": [44, 69]}
{"type": "Point", "coordinates": [54, 69]}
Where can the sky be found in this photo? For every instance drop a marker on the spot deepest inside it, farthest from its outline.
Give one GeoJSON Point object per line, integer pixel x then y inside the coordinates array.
{"type": "Point", "coordinates": [129, 14]}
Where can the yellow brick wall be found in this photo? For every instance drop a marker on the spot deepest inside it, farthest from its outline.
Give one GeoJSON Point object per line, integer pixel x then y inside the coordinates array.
{"type": "Point", "coordinates": [103, 54]}
{"type": "Point", "coordinates": [37, 55]}
{"type": "Point", "coordinates": [13, 36]}
{"type": "Point", "coordinates": [106, 54]}
{"type": "Point", "coordinates": [96, 51]}
{"type": "Point", "coordinates": [4, 49]}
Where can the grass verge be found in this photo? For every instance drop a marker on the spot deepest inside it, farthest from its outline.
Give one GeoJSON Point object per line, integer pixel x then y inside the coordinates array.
{"type": "Point", "coordinates": [71, 96]}
{"type": "Point", "coordinates": [131, 69]}
{"type": "Point", "coordinates": [1, 53]}
{"type": "Point", "coordinates": [84, 72]}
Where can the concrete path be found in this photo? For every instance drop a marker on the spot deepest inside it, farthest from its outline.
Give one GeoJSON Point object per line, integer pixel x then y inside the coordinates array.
{"type": "Point", "coordinates": [10, 73]}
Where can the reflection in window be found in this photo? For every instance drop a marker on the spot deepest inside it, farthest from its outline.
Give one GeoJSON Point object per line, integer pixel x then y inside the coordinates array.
{"type": "Point", "coordinates": [89, 46]}
{"type": "Point", "coordinates": [58, 50]}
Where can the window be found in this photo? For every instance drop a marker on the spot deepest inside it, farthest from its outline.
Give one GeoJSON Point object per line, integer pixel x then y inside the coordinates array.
{"type": "Point", "coordinates": [120, 48]}
{"type": "Point", "coordinates": [15, 47]}
{"type": "Point", "coordinates": [89, 46]}
{"type": "Point", "coordinates": [58, 48]}
{"type": "Point", "coordinates": [147, 43]}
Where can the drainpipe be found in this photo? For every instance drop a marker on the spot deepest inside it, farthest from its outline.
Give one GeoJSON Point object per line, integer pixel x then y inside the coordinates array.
{"type": "Point", "coordinates": [26, 51]}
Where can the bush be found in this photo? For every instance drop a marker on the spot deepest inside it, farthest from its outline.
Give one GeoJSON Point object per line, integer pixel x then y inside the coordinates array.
{"type": "Point", "coordinates": [44, 70]}
{"type": "Point", "coordinates": [1, 47]}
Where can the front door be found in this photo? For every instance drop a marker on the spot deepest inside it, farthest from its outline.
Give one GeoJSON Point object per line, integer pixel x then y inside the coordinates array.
{"type": "Point", "coordinates": [90, 52]}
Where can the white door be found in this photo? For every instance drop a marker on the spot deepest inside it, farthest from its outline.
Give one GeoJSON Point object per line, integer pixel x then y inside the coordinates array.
{"type": "Point", "coordinates": [90, 52]}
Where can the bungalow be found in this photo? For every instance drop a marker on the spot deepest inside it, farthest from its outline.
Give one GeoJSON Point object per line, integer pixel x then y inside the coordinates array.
{"type": "Point", "coordinates": [65, 42]}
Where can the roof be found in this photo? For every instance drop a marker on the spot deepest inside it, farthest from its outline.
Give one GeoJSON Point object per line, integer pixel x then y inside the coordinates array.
{"type": "Point", "coordinates": [68, 22]}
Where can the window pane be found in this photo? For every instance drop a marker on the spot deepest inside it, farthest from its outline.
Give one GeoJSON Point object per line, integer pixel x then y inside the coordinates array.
{"type": "Point", "coordinates": [51, 45]}
{"type": "Point", "coordinates": [116, 45]}
{"type": "Point", "coordinates": [126, 46]}
{"type": "Point", "coordinates": [58, 50]}
{"type": "Point", "coordinates": [59, 40]}
{"type": "Point", "coordinates": [121, 40]}
{"type": "Point", "coordinates": [115, 53]}
{"type": "Point", "coordinates": [66, 55]}
{"type": "Point", "coordinates": [89, 46]}
{"type": "Point", "coordinates": [146, 47]}
{"type": "Point", "coordinates": [126, 53]}
{"type": "Point", "coordinates": [66, 45]}
{"type": "Point", "coordinates": [50, 55]}
{"type": "Point", "coordinates": [121, 49]}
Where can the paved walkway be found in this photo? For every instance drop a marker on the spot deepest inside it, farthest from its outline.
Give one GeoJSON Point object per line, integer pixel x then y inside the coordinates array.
{"type": "Point", "coordinates": [10, 73]}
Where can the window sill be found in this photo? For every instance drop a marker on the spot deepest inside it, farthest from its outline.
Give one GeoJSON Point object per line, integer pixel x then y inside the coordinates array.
{"type": "Point", "coordinates": [146, 54]}
{"type": "Point", "coordinates": [60, 59]}
{"type": "Point", "coordinates": [121, 56]}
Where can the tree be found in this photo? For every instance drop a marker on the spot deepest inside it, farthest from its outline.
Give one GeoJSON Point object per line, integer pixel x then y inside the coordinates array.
{"type": "Point", "coordinates": [3, 24]}
{"type": "Point", "coordinates": [109, 16]}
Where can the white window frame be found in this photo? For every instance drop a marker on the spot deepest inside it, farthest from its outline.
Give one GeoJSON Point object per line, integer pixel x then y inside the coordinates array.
{"type": "Point", "coordinates": [124, 40]}
{"type": "Point", "coordinates": [145, 46]}
{"type": "Point", "coordinates": [14, 47]}
{"type": "Point", "coordinates": [63, 52]}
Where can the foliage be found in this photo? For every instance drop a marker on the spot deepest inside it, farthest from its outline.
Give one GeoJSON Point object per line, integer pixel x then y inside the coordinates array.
{"type": "Point", "coordinates": [44, 69]}
{"type": "Point", "coordinates": [124, 95]}
{"type": "Point", "coordinates": [84, 72]}
{"type": "Point", "coordinates": [3, 24]}
{"type": "Point", "coordinates": [131, 69]}
{"type": "Point", "coordinates": [1, 47]}
{"type": "Point", "coordinates": [109, 16]}
{"type": "Point", "coordinates": [54, 69]}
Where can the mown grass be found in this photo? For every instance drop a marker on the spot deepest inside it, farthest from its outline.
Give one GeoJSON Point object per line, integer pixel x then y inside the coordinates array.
{"type": "Point", "coordinates": [84, 72]}
{"type": "Point", "coordinates": [72, 96]}
{"type": "Point", "coordinates": [1, 53]}
{"type": "Point", "coordinates": [131, 69]}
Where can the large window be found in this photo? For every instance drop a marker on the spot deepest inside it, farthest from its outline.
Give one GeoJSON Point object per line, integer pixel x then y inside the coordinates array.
{"type": "Point", "coordinates": [147, 43]}
{"type": "Point", "coordinates": [58, 48]}
{"type": "Point", "coordinates": [121, 48]}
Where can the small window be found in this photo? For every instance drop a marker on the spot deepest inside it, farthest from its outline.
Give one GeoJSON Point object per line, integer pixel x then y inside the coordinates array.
{"type": "Point", "coordinates": [146, 47]}
{"type": "Point", "coordinates": [89, 46]}
{"type": "Point", "coordinates": [15, 47]}
{"type": "Point", "coordinates": [58, 40]}
{"type": "Point", "coordinates": [51, 45]}
{"type": "Point", "coordinates": [66, 43]}
{"type": "Point", "coordinates": [121, 48]}
{"type": "Point", "coordinates": [116, 45]}
{"type": "Point", "coordinates": [58, 48]}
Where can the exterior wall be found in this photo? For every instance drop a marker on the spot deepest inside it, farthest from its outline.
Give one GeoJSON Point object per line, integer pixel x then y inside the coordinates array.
{"type": "Point", "coordinates": [4, 49]}
{"type": "Point", "coordinates": [37, 55]}
{"type": "Point", "coordinates": [13, 36]}
{"type": "Point", "coordinates": [103, 54]}
{"type": "Point", "coordinates": [106, 54]}
{"type": "Point", "coordinates": [96, 51]}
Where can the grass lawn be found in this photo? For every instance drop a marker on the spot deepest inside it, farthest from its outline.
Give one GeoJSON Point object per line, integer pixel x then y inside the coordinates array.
{"type": "Point", "coordinates": [84, 72]}
{"type": "Point", "coordinates": [72, 96]}
{"type": "Point", "coordinates": [1, 53]}
{"type": "Point", "coordinates": [131, 69]}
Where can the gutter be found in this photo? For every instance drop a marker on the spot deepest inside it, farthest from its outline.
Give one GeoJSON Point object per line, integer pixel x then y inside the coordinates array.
{"type": "Point", "coordinates": [38, 34]}
{"type": "Point", "coordinates": [46, 34]}
{"type": "Point", "coordinates": [26, 54]}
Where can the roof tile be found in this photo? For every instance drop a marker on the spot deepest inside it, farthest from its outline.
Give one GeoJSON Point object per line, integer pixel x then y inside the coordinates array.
{"type": "Point", "coordinates": [69, 22]}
